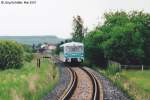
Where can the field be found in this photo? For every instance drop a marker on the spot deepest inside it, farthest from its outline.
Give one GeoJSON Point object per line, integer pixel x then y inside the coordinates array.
{"type": "Point", "coordinates": [134, 83]}
{"type": "Point", "coordinates": [29, 82]}
{"type": "Point", "coordinates": [137, 83]}
{"type": "Point", "coordinates": [141, 78]}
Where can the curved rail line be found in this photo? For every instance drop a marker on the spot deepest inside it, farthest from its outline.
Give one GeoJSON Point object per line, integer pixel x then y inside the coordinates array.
{"type": "Point", "coordinates": [73, 83]}
{"type": "Point", "coordinates": [97, 92]}
{"type": "Point", "coordinates": [72, 86]}
{"type": "Point", "coordinates": [97, 85]}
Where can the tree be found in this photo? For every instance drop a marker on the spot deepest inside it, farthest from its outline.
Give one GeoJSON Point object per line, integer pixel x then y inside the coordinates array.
{"type": "Point", "coordinates": [11, 54]}
{"type": "Point", "coordinates": [124, 43]}
{"type": "Point", "coordinates": [57, 51]}
{"type": "Point", "coordinates": [93, 52]}
{"type": "Point", "coordinates": [78, 29]}
{"type": "Point", "coordinates": [124, 37]}
{"type": "Point", "coordinates": [142, 21]}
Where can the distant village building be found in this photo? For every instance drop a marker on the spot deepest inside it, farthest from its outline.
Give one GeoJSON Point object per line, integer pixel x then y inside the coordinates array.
{"type": "Point", "coordinates": [47, 48]}
{"type": "Point", "coordinates": [44, 46]}
{"type": "Point", "coordinates": [51, 47]}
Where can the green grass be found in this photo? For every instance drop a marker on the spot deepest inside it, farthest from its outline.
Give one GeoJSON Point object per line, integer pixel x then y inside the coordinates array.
{"type": "Point", "coordinates": [134, 83]}
{"type": "Point", "coordinates": [29, 82]}
{"type": "Point", "coordinates": [137, 83]}
{"type": "Point", "coordinates": [141, 78]}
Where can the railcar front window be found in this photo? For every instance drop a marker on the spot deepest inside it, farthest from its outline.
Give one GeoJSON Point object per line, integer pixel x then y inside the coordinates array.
{"type": "Point", "coordinates": [74, 49]}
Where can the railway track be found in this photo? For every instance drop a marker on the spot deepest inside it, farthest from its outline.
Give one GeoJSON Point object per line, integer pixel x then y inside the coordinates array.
{"type": "Point", "coordinates": [77, 83]}
{"type": "Point", "coordinates": [83, 86]}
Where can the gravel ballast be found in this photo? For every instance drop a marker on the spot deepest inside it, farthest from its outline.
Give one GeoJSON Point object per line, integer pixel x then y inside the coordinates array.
{"type": "Point", "coordinates": [62, 84]}
{"type": "Point", "coordinates": [111, 92]}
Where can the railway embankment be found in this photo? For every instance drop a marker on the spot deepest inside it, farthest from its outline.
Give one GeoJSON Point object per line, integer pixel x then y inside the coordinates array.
{"type": "Point", "coordinates": [111, 92]}
{"type": "Point", "coordinates": [133, 83]}
{"type": "Point", "coordinates": [84, 87]}
{"type": "Point", "coordinates": [63, 83]}
{"type": "Point", "coordinates": [75, 84]}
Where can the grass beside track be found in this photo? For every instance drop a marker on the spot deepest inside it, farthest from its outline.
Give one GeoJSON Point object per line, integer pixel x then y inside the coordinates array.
{"type": "Point", "coordinates": [29, 82]}
{"type": "Point", "coordinates": [138, 83]}
{"type": "Point", "coordinates": [133, 82]}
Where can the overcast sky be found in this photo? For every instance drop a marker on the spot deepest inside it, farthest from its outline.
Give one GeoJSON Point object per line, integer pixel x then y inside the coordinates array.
{"type": "Point", "coordinates": [54, 17]}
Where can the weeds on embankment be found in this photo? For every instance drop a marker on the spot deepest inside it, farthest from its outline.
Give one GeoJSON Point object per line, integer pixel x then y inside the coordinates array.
{"type": "Point", "coordinates": [134, 83]}
{"type": "Point", "coordinates": [29, 82]}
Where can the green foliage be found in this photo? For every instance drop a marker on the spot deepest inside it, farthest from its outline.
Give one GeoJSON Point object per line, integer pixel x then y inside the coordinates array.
{"type": "Point", "coordinates": [125, 42]}
{"type": "Point", "coordinates": [28, 56]}
{"type": "Point", "coordinates": [93, 52]}
{"type": "Point", "coordinates": [78, 33]}
{"type": "Point", "coordinates": [28, 83]}
{"type": "Point", "coordinates": [113, 69]}
{"type": "Point", "coordinates": [11, 54]}
{"type": "Point", "coordinates": [134, 83]}
{"type": "Point", "coordinates": [27, 48]}
{"type": "Point", "coordinates": [57, 51]}
{"type": "Point", "coordinates": [124, 37]}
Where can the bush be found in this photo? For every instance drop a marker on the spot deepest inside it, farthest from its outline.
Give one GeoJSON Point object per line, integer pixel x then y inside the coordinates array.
{"type": "Point", "coordinates": [28, 52]}
{"type": "Point", "coordinates": [28, 57]}
{"type": "Point", "coordinates": [11, 54]}
{"type": "Point", "coordinates": [27, 48]}
{"type": "Point", "coordinates": [113, 69]}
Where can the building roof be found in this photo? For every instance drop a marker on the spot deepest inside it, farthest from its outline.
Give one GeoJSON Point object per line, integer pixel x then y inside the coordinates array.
{"type": "Point", "coordinates": [72, 44]}
{"type": "Point", "coordinates": [43, 45]}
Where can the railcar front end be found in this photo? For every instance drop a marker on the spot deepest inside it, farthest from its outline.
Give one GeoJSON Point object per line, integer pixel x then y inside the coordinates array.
{"type": "Point", "coordinates": [74, 57]}
{"type": "Point", "coordinates": [72, 52]}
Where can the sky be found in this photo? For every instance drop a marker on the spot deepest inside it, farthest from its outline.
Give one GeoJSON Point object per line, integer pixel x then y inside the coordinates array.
{"type": "Point", "coordinates": [54, 17]}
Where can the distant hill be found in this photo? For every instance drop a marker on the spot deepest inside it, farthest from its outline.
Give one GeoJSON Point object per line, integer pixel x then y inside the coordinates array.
{"type": "Point", "coordinates": [33, 39]}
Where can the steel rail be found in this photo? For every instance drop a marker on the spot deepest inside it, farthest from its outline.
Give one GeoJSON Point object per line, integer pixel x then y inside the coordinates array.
{"type": "Point", "coordinates": [97, 86]}
{"type": "Point", "coordinates": [96, 92]}
{"type": "Point", "coordinates": [71, 88]}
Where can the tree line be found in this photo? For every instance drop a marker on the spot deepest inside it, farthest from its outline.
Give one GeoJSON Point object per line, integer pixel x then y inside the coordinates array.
{"type": "Point", "coordinates": [123, 37]}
